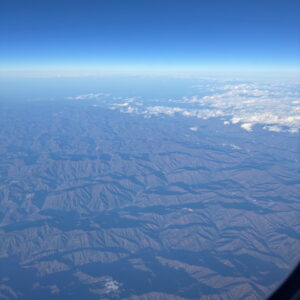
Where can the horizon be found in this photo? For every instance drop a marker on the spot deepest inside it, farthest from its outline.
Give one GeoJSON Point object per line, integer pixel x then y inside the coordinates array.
{"type": "Point", "coordinates": [141, 37]}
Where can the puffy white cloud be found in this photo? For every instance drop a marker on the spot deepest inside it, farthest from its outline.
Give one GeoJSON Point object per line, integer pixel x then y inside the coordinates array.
{"type": "Point", "coordinates": [111, 286]}
{"type": "Point", "coordinates": [274, 128]}
{"type": "Point", "coordinates": [129, 110]}
{"type": "Point", "coordinates": [90, 96]}
{"type": "Point", "coordinates": [121, 104]}
{"type": "Point", "coordinates": [274, 106]}
{"type": "Point", "coordinates": [247, 126]}
{"type": "Point", "coordinates": [277, 106]}
{"type": "Point", "coordinates": [167, 110]}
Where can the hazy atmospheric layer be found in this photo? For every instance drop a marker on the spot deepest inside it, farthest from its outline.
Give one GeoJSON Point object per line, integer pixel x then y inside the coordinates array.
{"type": "Point", "coordinates": [127, 195]}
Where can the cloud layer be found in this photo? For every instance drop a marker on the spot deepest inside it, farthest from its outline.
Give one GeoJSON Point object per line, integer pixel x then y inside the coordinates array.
{"type": "Point", "coordinates": [276, 107]}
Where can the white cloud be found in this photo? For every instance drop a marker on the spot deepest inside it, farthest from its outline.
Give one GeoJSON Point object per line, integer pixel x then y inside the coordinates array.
{"type": "Point", "coordinates": [195, 128]}
{"type": "Point", "coordinates": [247, 126]}
{"type": "Point", "coordinates": [167, 110]}
{"type": "Point", "coordinates": [90, 96]}
{"type": "Point", "coordinates": [277, 106]}
{"type": "Point", "coordinates": [274, 106]}
{"type": "Point", "coordinates": [121, 104]}
{"type": "Point", "coordinates": [112, 286]}
{"type": "Point", "coordinates": [274, 128]}
{"type": "Point", "coordinates": [129, 110]}
{"type": "Point", "coordinates": [188, 209]}
{"type": "Point", "coordinates": [233, 146]}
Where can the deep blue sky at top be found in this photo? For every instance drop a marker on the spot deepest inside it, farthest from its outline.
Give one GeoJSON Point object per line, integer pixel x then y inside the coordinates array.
{"type": "Point", "coordinates": [204, 33]}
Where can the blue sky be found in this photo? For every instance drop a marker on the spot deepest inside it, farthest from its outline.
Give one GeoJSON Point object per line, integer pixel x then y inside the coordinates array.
{"type": "Point", "coordinates": [128, 34]}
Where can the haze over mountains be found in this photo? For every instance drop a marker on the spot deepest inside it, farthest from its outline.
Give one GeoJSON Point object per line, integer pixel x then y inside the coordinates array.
{"type": "Point", "coordinates": [111, 197]}
{"type": "Point", "coordinates": [149, 150]}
